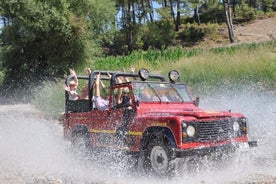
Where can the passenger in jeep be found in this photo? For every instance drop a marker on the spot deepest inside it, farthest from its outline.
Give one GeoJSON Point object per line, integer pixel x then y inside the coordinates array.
{"type": "Point", "coordinates": [120, 96]}
{"type": "Point", "coordinates": [101, 103]}
{"type": "Point", "coordinates": [72, 87]}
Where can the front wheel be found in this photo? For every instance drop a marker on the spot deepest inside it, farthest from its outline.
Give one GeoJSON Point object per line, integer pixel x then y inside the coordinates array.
{"type": "Point", "coordinates": [159, 157]}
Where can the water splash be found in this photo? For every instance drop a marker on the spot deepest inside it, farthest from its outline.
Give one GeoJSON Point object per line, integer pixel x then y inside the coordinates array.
{"type": "Point", "coordinates": [259, 107]}
{"type": "Point", "coordinates": [33, 149]}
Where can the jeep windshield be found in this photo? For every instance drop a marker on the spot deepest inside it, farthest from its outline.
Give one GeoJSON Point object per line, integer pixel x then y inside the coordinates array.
{"type": "Point", "coordinates": [160, 92]}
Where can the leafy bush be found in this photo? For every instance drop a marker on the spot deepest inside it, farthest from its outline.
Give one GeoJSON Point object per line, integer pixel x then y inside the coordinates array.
{"type": "Point", "coordinates": [243, 11]}
{"type": "Point", "coordinates": [194, 32]}
{"type": "Point", "coordinates": [158, 35]}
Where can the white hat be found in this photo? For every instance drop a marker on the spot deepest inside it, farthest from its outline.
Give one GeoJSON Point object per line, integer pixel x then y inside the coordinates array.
{"type": "Point", "coordinates": [72, 83]}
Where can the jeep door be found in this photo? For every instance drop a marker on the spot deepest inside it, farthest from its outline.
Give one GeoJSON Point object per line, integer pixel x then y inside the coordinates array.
{"type": "Point", "coordinates": [121, 114]}
{"type": "Point", "coordinates": [97, 128]}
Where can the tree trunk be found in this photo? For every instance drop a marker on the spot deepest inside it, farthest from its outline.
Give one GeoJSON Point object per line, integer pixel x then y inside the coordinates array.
{"type": "Point", "coordinates": [177, 23]}
{"type": "Point", "coordinates": [165, 3]}
{"type": "Point", "coordinates": [129, 27]}
{"type": "Point", "coordinates": [133, 13]}
{"type": "Point", "coordinates": [150, 14]}
{"type": "Point", "coordinates": [229, 23]}
{"type": "Point", "coordinates": [196, 15]}
{"type": "Point", "coordinates": [172, 12]}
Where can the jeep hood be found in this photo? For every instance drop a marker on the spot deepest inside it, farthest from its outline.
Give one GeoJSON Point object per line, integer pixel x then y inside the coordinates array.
{"type": "Point", "coordinates": [186, 109]}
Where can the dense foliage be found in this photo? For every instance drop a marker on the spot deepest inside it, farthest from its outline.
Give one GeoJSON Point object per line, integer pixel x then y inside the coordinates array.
{"type": "Point", "coordinates": [44, 38]}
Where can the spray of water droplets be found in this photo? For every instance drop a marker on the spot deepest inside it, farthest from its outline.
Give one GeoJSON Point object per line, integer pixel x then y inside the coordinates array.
{"type": "Point", "coordinates": [33, 149]}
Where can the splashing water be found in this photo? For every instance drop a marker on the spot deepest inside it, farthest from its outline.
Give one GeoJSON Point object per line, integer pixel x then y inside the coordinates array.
{"type": "Point", "coordinates": [259, 107]}
{"type": "Point", "coordinates": [33, 149]}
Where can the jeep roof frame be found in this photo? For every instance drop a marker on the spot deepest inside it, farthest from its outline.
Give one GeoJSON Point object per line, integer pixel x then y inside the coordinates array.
{"type": "Point", "coordinates": [114, 74]}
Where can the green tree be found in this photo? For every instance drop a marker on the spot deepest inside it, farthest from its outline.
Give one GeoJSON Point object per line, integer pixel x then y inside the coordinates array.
{"type": "Point", "coordinates": [267, 5]}
{"type": "Point", "coordinates": [130, 13]}
{"type": "Point", "coordinates": [44, 38]}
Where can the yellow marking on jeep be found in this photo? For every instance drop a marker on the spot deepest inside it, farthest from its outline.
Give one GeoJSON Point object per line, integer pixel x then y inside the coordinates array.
{"type": "Point", "coordinates": [135, 133]}
{"type": "Point", "coordinates": [113, 132]}
{"type": "Point", "coordinates": [158, 124]}
{"type": "Point", "coordinates": [103, 131]}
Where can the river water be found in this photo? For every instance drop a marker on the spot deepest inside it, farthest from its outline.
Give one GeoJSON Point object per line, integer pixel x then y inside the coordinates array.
{"type": "Point", "coordinates": [33, 150]}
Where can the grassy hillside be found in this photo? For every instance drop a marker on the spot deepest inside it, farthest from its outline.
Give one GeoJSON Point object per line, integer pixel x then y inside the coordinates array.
{"type": "Point", "coordinates": [204, 70]}
{"type": "Point", "coordinates": [236, 64]}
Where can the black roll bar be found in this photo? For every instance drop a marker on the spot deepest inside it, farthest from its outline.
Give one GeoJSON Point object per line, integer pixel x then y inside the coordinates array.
{"type": "Point", "coordinates": [114, 74]}
{"type": "Point", "coordinates": [134, 75]}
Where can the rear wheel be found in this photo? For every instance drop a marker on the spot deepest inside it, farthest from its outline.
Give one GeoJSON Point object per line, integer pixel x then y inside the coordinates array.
{"type": "Point", "coordinates": [80, 144]}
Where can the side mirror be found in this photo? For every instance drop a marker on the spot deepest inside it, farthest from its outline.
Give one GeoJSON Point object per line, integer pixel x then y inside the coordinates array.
{"type": "Point", "coordinates": [196, 102]}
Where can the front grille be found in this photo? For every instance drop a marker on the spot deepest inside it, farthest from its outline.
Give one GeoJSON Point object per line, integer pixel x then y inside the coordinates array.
{"type": "Point", "coordinates": [214, 131]}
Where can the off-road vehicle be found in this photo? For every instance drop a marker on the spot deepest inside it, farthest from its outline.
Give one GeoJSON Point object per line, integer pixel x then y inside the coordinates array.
{"type": "Point", "coordinates": [158, 120]}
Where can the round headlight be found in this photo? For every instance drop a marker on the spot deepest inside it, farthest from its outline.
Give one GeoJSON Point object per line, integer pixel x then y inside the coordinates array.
{"type": "Point", "coordinates": [143, 74]}
{"type": "Point", "coordinates": [173, 75]}
{"type": "Point", "coordinates": [236, 126]}
{"type": "Point", "coordinates": [191, 131]}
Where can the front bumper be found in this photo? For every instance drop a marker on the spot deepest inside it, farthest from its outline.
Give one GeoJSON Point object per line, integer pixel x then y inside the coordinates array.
{"type": "Point", "coordinates": [201, 151]}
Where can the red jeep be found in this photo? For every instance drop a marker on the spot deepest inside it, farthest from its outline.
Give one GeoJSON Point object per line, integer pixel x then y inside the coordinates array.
{"type": "Point", "coordinates": [158, 120]}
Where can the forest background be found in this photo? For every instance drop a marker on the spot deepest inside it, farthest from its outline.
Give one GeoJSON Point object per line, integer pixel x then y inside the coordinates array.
{"type": "Point", "coordinates": [40, 40]}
